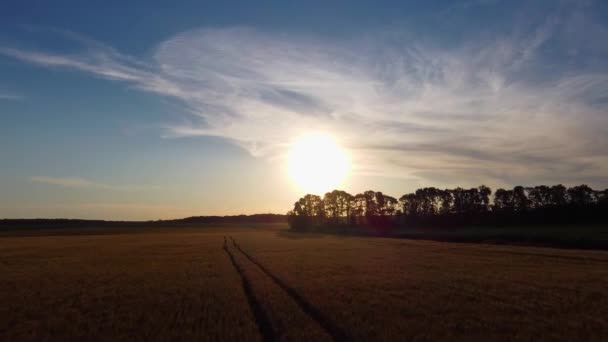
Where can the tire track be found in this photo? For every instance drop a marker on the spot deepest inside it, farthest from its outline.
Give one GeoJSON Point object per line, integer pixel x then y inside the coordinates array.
{"type": "Point", "coordinates": [261, 317]}
{"type": "Point", "coordinates": [324, 322]}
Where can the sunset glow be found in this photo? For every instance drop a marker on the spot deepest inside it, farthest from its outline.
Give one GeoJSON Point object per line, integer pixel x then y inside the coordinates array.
{"type": "Point", "coordinates": [316, 163]}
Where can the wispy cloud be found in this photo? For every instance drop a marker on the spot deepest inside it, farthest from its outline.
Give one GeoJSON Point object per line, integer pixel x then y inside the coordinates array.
{"type": "Point", "coordinates": [497, 109]}
{"type": "Point", "coordinates": [74, 182]}
{"type": "Point", "coordinates": [102, 62]}
{"type": "Point", "coordinates": [10, 97]}
{"type": "Point", "coordinates": [62, 181]}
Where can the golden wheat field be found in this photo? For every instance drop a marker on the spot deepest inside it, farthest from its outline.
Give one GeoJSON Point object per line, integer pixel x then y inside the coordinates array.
{"type": "Point", "coordinates": [265, 283]}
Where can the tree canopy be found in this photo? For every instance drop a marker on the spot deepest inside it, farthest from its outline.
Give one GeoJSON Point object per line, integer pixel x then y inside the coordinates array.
{"type": "Point", "coordinates": [451, 207]}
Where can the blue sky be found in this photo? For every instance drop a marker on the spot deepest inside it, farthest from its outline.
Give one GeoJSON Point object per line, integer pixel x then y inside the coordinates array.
{"type": "Point", "coordinates": [156, 110]}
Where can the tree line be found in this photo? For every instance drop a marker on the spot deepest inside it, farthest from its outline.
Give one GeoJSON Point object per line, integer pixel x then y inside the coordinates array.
{"type": "Point", "coordinates": [452, 207]}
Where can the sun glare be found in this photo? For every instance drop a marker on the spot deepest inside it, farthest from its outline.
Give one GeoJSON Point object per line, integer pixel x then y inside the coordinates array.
{"type": "Point", "coordinates": [317, 163]}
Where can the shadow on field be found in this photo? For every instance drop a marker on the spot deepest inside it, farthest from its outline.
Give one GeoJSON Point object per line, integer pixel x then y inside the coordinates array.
{"type": "Point", "coordinates": [300, 235]}
{"type": "Point", "coordinates": [565, 237]}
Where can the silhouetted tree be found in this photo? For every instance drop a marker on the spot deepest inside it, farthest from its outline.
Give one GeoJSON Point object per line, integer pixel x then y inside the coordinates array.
{"type": "Point", "coordinates": [447, 201]}
{"type": "Point", "coordinates": [539, 196]}
{"type": "Point", "coordinates": [503, 200]}
{"type": "Point", "coordinates": [484, 197]}
{"type": "Point", "coordinates": [460, 202]}
{"type": "Point", "coordinates": [451, 207]}
{"type": "Point", "coordinates": [520, 199]}
{"type": "Point", "coordinates": [559, 195]}
{"type": "Point", "coordinates": [308, 212]}
{"type": "Point", "coordinates": [409, 205]}
{"type": "Point", "coordinates": [338, 206]}
{"type": "Point", "coordinates": [359, 208]}
{"type": "Point", "coordinates": [581, 195]}
{"type": "Point", "coordinates": [602, 197]}
{"type": "Point", "coordinates": [428, 201]}
{"type": "Point", "coordinates": [391, 206]}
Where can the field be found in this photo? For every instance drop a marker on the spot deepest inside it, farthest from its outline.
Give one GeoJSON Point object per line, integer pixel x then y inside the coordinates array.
{"type": "Point", "coordinates": [228, 282]}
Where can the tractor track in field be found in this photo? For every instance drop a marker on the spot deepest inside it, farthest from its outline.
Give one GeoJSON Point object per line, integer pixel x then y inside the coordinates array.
{"type": "Point", "coordinates": [324, 322]}
{"type": "Point", "coordinates": [261, 317]}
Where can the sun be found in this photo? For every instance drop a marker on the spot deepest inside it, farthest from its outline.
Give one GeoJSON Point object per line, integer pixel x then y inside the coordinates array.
{"type": "Point", "coordinates": [317, 163]}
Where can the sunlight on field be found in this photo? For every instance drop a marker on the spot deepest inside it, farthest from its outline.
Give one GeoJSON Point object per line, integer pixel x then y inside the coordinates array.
{"type": "Point", "coordinates": [317, 163]}
{"type": "Point", "coordinates": [193, 284]}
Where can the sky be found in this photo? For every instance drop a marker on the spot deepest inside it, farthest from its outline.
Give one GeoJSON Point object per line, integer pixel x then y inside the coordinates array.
{"type": "Point", "coordinates": [154, 110]}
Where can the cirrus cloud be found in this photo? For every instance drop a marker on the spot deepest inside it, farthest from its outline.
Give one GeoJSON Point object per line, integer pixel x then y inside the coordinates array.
{"type": "Point", "coordinates": [77, 182]}
{"type": "Point", "coordinates": [497, 110]}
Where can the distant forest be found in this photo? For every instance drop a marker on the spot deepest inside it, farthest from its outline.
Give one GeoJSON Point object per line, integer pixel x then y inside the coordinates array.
{"type": "Point", "coordinates": [432, 207]}
{"type": "Point", "coordinates": [194, 220]}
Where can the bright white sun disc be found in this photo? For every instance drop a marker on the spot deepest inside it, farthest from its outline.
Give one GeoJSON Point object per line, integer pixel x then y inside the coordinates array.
{"type": "Point", "coordinates": [317, 163]}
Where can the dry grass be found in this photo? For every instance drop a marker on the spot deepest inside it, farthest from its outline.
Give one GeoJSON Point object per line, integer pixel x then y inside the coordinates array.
{"type": "Point", "coordinates": [180, 284]}
{"type": "Point", "coordinates": [288, 322]}
{"type": "Point", "coordinates": [154, 286]}
{"type": "Point", "coordinates": [388, 289]}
